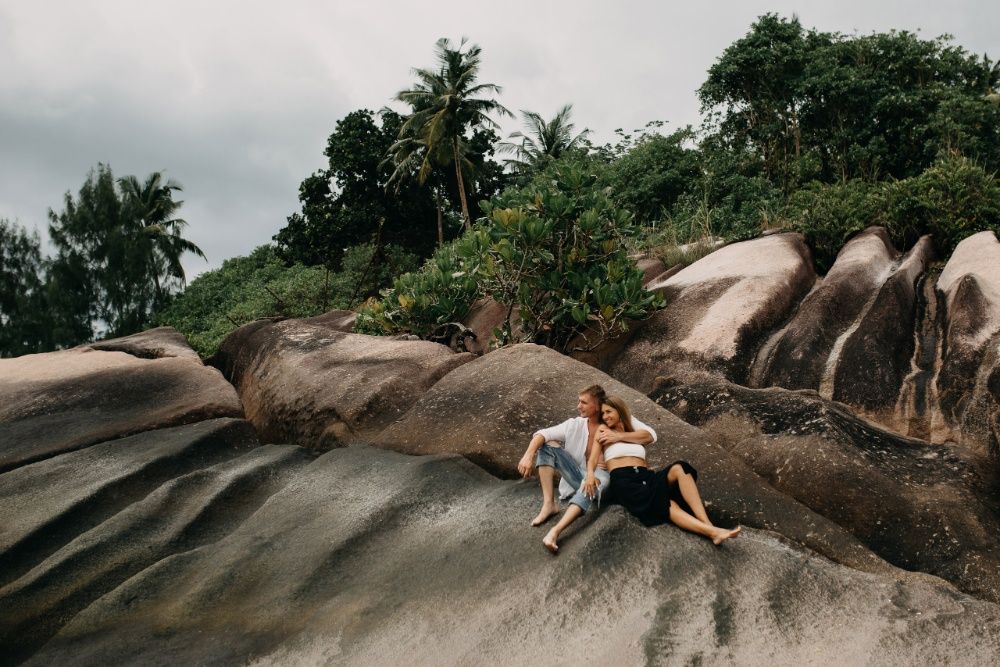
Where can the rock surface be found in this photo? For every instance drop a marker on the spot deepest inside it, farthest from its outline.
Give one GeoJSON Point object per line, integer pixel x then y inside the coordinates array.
{"type": "Point", "coordinates": [61, 401]}
{"type": "Point", "coordinates": [968, 382]}
{"type": "Point", "coordinates": [408, 560]}
{"type": "Point", "coordinates": [719, 309]}
{"type": "Point", "coordinates": [307, 382]}
{"type": "Point", "coordinates": [488, 409]}
{"type": "Point", "coordinates": [921, 507]}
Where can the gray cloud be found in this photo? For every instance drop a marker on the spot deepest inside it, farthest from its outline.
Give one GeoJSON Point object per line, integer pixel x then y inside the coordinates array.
{"type": "Point", "coordinates": [235, 100]}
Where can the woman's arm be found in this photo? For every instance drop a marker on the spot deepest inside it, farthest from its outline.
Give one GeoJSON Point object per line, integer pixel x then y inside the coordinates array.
{"type": "Point", "coordinates": [590, 482]}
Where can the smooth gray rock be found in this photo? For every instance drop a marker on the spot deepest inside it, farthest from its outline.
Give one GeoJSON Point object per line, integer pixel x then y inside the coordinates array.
{"type": "Point", "coordinates": [372, 557]}
{"type": "Point", "coordinates": [61, 401]}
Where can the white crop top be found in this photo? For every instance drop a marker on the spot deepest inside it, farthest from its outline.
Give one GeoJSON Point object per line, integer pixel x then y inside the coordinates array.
{"type": "Point", "coordinates": [621, 449]}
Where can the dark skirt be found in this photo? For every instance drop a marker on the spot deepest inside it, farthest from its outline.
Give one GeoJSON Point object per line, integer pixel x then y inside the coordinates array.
{"type": "Point", "coordinates": [647, 493]}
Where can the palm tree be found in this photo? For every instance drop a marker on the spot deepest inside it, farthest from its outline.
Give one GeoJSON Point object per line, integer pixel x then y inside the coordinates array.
{"type": "Point", "coordinates": [543, 140]}
{"type": "Point", "coordinates": [151, 209]}
{"type": "Point", "coordinates": [445, 105]}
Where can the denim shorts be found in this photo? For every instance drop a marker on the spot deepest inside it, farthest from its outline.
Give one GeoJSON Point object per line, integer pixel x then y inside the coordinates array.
{"type": "Point", "coordinates": [573, 473]}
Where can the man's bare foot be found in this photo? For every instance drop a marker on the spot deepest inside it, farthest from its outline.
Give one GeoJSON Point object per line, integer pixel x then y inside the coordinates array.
{"type": "Point", "coordinates": [546, 513]}
{"type": "Point", "coordinates": [550, 542]}
{"type": "Point", "coordinates": [722, 535]}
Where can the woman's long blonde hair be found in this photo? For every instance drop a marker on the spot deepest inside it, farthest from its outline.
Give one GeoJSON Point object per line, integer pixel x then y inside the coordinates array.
{"type": "Point", "coordinates": [624, 414]}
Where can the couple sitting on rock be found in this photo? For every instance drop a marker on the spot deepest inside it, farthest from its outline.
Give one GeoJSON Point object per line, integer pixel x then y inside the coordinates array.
{"type": "Point", "coordinates": [601, 455]}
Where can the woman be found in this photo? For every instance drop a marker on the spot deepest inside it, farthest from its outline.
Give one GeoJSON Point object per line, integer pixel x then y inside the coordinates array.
{"type": "Point", "coordinates": [653, 497]}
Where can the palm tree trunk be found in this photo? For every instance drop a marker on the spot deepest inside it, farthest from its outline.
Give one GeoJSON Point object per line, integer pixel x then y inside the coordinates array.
{"type": "Point", "coordinates": [437, 204]}
{"type": "Point", "coordinates": [461, 186]}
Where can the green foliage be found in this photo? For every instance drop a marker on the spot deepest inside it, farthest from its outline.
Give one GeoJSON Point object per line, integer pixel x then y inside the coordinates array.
{"type": "Point", "coordinates": [24, 323]}
{"type": "Point", "coordinates": [555, 249]}
{"type": "Point", "coordinates": [262, 285]}
{"type": "Point", "coordinates": [543, 141]}
{"type": "Point", "coordinates": [447, 104]}
{"type": "Point", "coordinates": [828, 214]}
{"type": "Point", "coordinates": [348, 204]}
{"type": "Point", "coordinates": [953, 199]}
{"type": "Point", "coordinates": [650, 178]}
{"type": "Point", "coordinates": [118, 248]}
{"type": "Point", "coordinates": [442, 291]}
{"type": "Point", "coordinates": [807, 105]}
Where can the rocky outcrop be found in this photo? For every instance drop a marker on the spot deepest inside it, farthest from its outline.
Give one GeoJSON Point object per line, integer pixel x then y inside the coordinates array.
{"type": "Point", "coordinates": [61, 401]}
{"type": "Point", "coordinates": [968, 382]}
{"type": "Point", "coordinates": [308, 382]}
{"type": "Point", "coordinates": [719, 310]}
{"type": "Point", "coordinates": [852, 337]}
{"type": "Point", "coordinates": [488, 409]}
{"type": "Point", "coordinates": [922, 507]}
{"type": "Point", "coordinates": [371, 557]}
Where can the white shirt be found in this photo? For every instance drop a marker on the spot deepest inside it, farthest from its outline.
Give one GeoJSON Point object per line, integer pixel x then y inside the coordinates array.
{"type": "Point", "coordinates": [573, 435]}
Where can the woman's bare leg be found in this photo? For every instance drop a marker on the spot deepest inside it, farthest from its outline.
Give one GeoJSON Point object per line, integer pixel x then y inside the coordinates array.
{"type": "Point", "coordinates": [573, 512]}
{"type": "Point", "coordinates": [546, 477]}
{"type": "Point", "coordinates": [684, 520]}
{"type": "Point", "coordinates": [689, 491]}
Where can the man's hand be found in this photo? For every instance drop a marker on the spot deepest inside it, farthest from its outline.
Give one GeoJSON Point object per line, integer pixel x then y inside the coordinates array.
{"type": "Point", "coordinates": [606, 436]}
{"type": "Point", "coordinates": [590, 486]}
{"type": "Point", "coordinates": [526, 466]}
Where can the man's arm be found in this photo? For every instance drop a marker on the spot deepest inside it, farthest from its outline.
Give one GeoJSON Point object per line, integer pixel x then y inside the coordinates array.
{"type": "Point", "coordinates": [643, 435]}
{"type": "Point", "coordinates": [526, 466]}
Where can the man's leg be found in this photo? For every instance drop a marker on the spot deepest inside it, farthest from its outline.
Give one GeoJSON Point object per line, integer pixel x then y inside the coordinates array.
{"type": "Point", "coordinates": [579, 505]}
{"type": "Point", "coordinates": [545, 463]}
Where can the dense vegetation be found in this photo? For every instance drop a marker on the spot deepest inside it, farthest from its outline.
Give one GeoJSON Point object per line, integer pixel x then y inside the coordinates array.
{"type": "Point", "coordinates": [805, 130]}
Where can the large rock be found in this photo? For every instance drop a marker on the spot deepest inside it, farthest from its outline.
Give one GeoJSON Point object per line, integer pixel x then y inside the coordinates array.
{"type": "Point", "coordinates": [488, 409]}
{"type": "Point", "coordinates": [307, 382]}
{"type": "Point", "coordinates": [922, 507]}
{"type": "Point", "coordinates": [852, 338]}
{"type": "Point", "coordinates": [150, 344]}
{"type": "Point", "coordinates": [796, 356]}
{"type": "Point", "coordinates": [719, 309]}
{"type": "Point", "coordinates": [60, 401]}
{"type": "Point", "coordinates": [371, 557]}
{"type": "Point", "coordinates": [968, 382]}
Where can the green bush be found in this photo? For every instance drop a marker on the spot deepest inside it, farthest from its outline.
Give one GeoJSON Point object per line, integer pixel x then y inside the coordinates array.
{"type": "Point", "coordinates": [556, 249]}
{"type": "Point", "coordinates": [951, 200]}
{"type": "Point", "coordinates": [261, 285]}
{"type": "Point", "coordinates": [441, 291]}
{"type": "Point", "coordinates": [827, 215]}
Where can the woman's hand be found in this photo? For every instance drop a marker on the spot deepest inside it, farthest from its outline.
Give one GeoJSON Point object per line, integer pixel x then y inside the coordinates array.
{"type": "Point", "coordinates": [590, 486]}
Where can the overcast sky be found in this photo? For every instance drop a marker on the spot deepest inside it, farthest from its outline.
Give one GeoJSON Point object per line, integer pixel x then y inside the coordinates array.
{"type": "Point", "coordinates": [235, 100]}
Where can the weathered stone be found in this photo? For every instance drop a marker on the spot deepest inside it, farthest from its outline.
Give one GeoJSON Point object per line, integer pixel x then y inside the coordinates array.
{"type": "Point", "coordinates": [60, 401]}
{"type": "Point", "coordinates": [150, 344]}
{"type": "Point", "coordinates": [870, 360]}
{"type": "Point", "coordinates": [967, 383]}
{"type": "Point", "coordinates": [371, 557]}
{"type": "Point", "coordinates": [796, 356]}
{"type": "Point", "coordinates": [719, 309]}
{"type": "Point", "coordinates": [46, 504]}
{"type": "Point", "coordinates": [311, 384]}
{"type": "Point", "coordinates": [183, 513]}
{"type": "Point", "coordinates": [487, 411]}
{"type": "Point", "coordinates": [922, 507]}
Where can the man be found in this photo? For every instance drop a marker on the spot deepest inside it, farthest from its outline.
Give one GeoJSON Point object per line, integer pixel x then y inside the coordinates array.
{"type": "Point", "coordinates": [571, 443]}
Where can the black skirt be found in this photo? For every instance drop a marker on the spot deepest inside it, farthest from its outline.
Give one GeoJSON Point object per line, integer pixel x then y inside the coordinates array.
{"type": "Point", "coordinates": [647, 493]}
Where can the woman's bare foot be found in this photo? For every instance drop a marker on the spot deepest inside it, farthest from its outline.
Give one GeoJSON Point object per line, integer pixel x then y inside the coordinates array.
{"type": "Point", "coordinates": [546, 513]}
{"type": "Point", "coordinates": [550, 542]}
{"type": "Point", "coordinates": [722, 535]}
